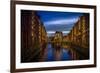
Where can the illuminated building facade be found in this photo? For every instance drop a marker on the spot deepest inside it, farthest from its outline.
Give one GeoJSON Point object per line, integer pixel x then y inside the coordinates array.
{"type": "Point", "coordinates": [33, 36]}
{"type": "Point", "coordinates": [58, 39]}
{"type": "Point", "coordinates": [78, 38]}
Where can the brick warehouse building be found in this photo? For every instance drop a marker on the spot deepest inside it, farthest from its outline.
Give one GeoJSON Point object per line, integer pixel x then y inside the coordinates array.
{"type": "Point", "coordinates": [78, 38]}
{"type": "Point", "coordinates": [33, 36]}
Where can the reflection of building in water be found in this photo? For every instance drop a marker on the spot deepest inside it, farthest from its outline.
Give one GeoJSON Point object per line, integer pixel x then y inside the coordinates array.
{"type": "Point", "coordinates": [78, 38]}
{"type": "Point", "coordinates": [57, 42]}
{"type": "Point", "coordinates": [33, 36]}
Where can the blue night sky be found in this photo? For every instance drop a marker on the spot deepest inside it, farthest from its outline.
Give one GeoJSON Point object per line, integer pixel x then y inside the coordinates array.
{"type": "Point", "coordinates": [58, 21]}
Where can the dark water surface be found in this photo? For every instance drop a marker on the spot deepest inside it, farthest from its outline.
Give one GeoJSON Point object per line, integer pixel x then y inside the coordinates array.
{"type": "Point", "coordinates": [52, 54]}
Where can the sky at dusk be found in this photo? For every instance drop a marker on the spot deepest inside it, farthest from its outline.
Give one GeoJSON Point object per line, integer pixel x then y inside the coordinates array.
{"type": "Point", "coordinates": [58, 21]}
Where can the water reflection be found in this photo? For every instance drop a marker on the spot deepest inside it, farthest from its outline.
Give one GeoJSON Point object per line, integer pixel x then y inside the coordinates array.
{"type": "Point", "coordinates": [57, 54]}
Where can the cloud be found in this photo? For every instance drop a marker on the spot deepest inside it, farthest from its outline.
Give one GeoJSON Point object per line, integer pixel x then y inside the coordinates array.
{"type": "Point", "coordinates": [61, 21]}
{"type": "Point", "coordinates": [58, 27]}
{"type": "Point", "coordinates": [51, 33]}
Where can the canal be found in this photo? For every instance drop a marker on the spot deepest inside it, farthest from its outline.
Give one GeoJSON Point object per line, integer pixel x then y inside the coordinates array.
{"type": "Point", "coordinates": [53, 54]}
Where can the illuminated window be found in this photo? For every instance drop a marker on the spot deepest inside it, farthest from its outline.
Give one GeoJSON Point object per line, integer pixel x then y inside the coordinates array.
{"type": "Point", "coordinates": [32, 34]}
{"type": "Point", "coordinates": [33, 21]}
{"type": "Point", "coordinates": [32, 27]}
